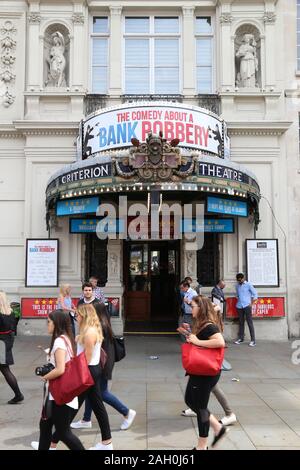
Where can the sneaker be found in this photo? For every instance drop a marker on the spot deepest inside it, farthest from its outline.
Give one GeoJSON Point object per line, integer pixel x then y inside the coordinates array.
{"type": "Point", "coordinates": [15, 400]}
{"type": "Point", "coordinates": [239, 341]}
{"type": "Point", "coordinates": [81, 424]}
{"type": "Point", "coordinates": [228, 420]}
{"type": "Point", "coordinates": [252, 343]}
{"type": "Point", "coordinates": [220, 436]}
{"type": "Point", "coordinates": [128, 421]}
{"type": "Point", "coordinates": [101, 446]}
{"type": "Point", "coordinates": [35, 446]}
{"type": "Point", "coordinates": [189, 413]}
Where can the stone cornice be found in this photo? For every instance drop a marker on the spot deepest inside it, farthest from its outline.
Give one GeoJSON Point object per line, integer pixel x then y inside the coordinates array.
{"type": "Point", "coordinates": [258, 127]}
{"type": "Point", "coordinates": [46, 128]}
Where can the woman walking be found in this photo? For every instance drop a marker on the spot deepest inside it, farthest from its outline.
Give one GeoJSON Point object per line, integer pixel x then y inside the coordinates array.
{"type": "Point", "coordinates": [64, 302]}
{"type": "Point", "coordinates": [107, 396]}
{"type": "Point", "coordinates": [205, 333]}
{"type": "Point", "coordinates": [7, 327]}
{"type": "Point", "coordinates": [61, 348]}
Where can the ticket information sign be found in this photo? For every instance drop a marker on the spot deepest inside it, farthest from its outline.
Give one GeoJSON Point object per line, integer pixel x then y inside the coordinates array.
{"type": "Point", "coordinates": [262, 262]}
{"type": "Point", "coordinates": [41, 263]}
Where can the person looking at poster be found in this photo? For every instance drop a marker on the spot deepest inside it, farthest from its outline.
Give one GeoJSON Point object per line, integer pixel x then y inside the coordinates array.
{"type": "Point", "coordinates": [246, 295]}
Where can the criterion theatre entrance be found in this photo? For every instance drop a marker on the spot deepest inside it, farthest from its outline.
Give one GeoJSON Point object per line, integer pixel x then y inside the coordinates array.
{"type": "Point", "coordinates": [151, 275]}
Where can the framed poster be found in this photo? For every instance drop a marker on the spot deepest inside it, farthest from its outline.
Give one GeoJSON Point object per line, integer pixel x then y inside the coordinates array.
{"type": "Point", "coordinates": [42, 262]}
{"type": "Point", "coordinates": [262, 262]}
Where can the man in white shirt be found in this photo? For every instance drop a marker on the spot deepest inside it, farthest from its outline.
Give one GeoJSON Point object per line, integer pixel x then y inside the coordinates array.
{"type": "Point", "coordinates": [187, 300]}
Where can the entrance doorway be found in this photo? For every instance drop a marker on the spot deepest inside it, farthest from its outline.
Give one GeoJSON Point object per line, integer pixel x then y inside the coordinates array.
{"type": "Point", "coordinates": [151, 274]}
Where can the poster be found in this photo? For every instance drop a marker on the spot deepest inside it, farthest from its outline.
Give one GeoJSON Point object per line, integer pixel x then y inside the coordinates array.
{"type": "Point", "coordinates": [41, 263]}
{"type": "Point", "coordinates": [265, 307]}
{"type": "Point", "coordinates": [262, 262]}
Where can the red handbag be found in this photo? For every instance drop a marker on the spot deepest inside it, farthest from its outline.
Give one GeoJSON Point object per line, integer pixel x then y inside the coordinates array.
{"type": "Point", "coordinates": [74, 381]}
{"type": "Point", "coordinates": [201, 361]}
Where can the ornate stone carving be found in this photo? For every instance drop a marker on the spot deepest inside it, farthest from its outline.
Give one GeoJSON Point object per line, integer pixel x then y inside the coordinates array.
{"type": "Point", "coordinates": [190, 263]}
{"type": "Point", "coordinates": [269, 17]}
{"type": "Point", "coordinates": [34, 18]}
{"type": "Point", "coordinates": [226, 18]}
{"type": "Point", "coordinates": [78, 18]}
{"type": "Point", "coordinates": [247, 55]}
{"type": "Point", "coordinates": [8, 58]}
{"type": "Point", "coordinates": [56, 62]}
{"type": "Point", "coordinates": [188, 10]}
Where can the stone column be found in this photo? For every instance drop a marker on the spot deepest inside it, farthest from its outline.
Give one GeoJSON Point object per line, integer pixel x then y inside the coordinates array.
{"type": "Point", "coordinates": [115, 56]}
{"type": "Point", "coordinates": [226, 58]}
{"type": "Point", "coordinates": [34, 60]}
{"type": "Point", "coordinates": [114, 286]}
{"type": "Point", "coordinates": [189, 263]}
{"type": "Point", "coordinates": [188, 51]}
{"type": "Point", "coordinates": [78, 49]}
{"type": "Point", "coordinates": [269, 19]}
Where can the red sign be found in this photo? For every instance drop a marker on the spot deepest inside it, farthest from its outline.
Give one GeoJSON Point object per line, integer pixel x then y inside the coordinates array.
{"type": "Point", "coordinates": [265, 307]}
{"type": "Point", "coordinates": [41, 307]}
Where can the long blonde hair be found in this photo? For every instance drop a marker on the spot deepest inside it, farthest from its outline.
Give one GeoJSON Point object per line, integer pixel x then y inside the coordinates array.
{"type": "Point", "coordinates": [4, 304]}
{"type": "Point", "coordinates": [63, 290]}
{"type": "Point", "coordinates": [89, 320]}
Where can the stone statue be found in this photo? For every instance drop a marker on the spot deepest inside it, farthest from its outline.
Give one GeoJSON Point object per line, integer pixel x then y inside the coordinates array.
{"type": "Point", "coordinates": [246, 77]}
{"type": "Point", "coordinates": [190, 257]}
{"type": "Point", "coordinates": [56, 61]}
{"type": "Point", "coordinates": [113, 263]}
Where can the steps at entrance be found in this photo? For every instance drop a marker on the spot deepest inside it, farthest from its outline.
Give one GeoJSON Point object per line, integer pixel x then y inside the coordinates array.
{"type": "Point", "coordinates": [156, 328]}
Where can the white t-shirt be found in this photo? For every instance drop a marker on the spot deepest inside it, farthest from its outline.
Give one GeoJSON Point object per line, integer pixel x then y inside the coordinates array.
{"type": "Point", "coordinates": [60, 344]}
{"type": "Point", "coordinates": [95, 359]}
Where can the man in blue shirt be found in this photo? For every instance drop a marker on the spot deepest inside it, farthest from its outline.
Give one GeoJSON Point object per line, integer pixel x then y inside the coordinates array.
{"type": "Point", "coordinates": [246, 295]}
{"type": "Point", "coordinates": [188, 294]}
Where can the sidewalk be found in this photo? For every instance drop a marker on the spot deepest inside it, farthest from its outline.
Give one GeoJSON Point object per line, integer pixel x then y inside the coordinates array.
{"type": "Point", "coordinates": [266, 400]}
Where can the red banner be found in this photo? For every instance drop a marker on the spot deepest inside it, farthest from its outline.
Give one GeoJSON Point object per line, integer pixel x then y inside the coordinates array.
{"type": "Point", "coordinates": [41, 307]}
{"type": "Point", "coordinates": [265, 307]}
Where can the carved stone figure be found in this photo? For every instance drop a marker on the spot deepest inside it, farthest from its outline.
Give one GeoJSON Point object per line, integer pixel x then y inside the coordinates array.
{"type": "Point", "coordinates": [246, 77]}
{"type": "Point", "coordinates": [113, 263]}
{"type": "Point", "coordinates": [190, 257]}
{"type": "Point", "coordinates": [56, 61]}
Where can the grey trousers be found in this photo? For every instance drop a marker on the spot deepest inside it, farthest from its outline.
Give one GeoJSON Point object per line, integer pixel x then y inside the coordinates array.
{"type": "Point", "coordinates": [246, 312]}
{"type": "Point", "coordinates": [220, 396]}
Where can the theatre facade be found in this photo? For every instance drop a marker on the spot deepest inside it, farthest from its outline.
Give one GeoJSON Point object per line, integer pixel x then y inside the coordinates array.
{"type": "Point", "coordinates": [135, 148]}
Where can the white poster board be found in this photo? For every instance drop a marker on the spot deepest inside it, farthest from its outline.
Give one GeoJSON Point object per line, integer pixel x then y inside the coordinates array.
{"type": "Point", "coordinates": [262, 262]}
{"type": "Point", "coordinates": [41, 263]}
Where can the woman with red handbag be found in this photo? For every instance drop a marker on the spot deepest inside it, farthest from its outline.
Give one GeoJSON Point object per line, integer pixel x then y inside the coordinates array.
{"type": "Point", "coordinates": [206, 334]}
{"type": "Point", "coordinates": [61, 348]}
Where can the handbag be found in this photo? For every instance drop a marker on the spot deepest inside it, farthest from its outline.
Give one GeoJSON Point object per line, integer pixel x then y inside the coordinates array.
{"type": "Point", "coordinates": [197, 360]}
{"type": "Point", "coordinates": [74, 381]}
{"type": "Point", "coordinates": [103, 358]}
{"type": "Point", "coordinates": [119, 347]}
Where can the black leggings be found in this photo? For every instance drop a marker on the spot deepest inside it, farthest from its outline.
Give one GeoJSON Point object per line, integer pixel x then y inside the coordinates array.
{"type": "Point", "coordinates": [197, 397]}
{"type": "Point", "coordinates": [10, 379]}
{"type": "Point", "coordinates": [95, 397]}
{"type": "Point", "coordinates": [60, 418]}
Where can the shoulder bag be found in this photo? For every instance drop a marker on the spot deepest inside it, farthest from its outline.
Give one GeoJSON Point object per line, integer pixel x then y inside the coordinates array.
{"type": "Point", "coordinates": [119, 347]}
{"type": "Point", "coordinates": [197, 360]}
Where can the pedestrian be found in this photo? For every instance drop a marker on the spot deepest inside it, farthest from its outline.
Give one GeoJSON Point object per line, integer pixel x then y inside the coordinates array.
{"type": "Point", "coordinates": [205, 333]}
{"type": "Point", "coordinates": [7, 336]}
{"type": "Point", "coordinates": [98, 293]}
{"type": "Point", "coordinates": [88, 295]}
{"type": "Point", "coordinates": [61, 348]}
{"type": "Point", "coordinates": [107, 396]}
{"type": "Point", "coordinates": [246, 295]}
{"type": "Point", "coordinates": [188, 293]}
{"type": "Point", "coordinates": [217, 295]}
{"type": "Point", "coordinates": [64, 302]}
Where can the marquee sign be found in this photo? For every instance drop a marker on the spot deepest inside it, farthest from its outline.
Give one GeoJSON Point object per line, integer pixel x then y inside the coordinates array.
{"type": "Point", "coordinates": [114, 128]}
{"type": "Point", "coordinates": [265, 307]}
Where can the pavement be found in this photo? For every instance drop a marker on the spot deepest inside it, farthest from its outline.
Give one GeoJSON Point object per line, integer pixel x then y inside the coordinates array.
{"type": "Point", "coordinates": [266, 399]}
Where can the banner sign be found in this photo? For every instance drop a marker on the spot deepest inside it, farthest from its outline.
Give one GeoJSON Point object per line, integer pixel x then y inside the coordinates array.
{"type": "Point", "coordinates": [262, 262]}
{"type": "Point", "coordinates": [90, 225]}
{"type": "Point", "coordinates": [41, 263]}
{"type": "Point", "coordinates": [41, 307]}
{"type": "Point", "coordinates": [210, 226]}
{"type": "Point", "coordinates": [86, 205]}
{"type": "Point", "coordinates": [265, 307]}
{"type": "Point", "coordinates": [223, 172]}
{"type": "Point", "coordinates": [102, 170]}
{"type": "Point", "coordinates": [227, 206]}
{"type": "Point", "coordinates": [114, 128]}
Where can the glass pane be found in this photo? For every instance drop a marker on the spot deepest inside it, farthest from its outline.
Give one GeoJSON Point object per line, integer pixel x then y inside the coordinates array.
{"type": "Point", "coordinates": [204, 52]}
{"type": "Point", "coordinates": [204, 79]}
{"type": "Point", "coordinates": [171, 262]}
{"type": "Point", "coordinates": [137, 52]}
{"type": "Point", "coordinates": [137, 25]}
{"type": "Point", "coordinates": [99, 51]}
{"type": "Point", "coordinates": [99, 80]}
{"type": "Point", "coordinates": [138, 268]}
{"type": "Point", "coordinates": [203, 25]}
{"type": "Point", "coordinates": [155, 263]}
{"type": "Point", "coordinates": [166, 52]}
{"type": "Point", "coordinates": [137, 80]}
{"type": "Point", "coordinates": [167, 80]}
{"type": "Point", "coordinates": [166, 25]}
{"type": "Point", "coordinates": [100, 24]}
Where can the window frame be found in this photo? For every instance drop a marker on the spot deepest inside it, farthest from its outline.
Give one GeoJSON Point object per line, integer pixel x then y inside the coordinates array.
{"type": "Point", "coordinates": [151, 36]}
{"type": "Point", "coordinates": [211, 36]}
{"type": "Point", "coordinates": [100, 36]}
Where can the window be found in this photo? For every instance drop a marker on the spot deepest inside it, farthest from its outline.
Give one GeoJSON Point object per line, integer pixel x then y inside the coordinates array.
{"type": "Point", "coordinates": [204, 42]}
{"type": "Point", "coordinates": [99, 54]}
{"type": "Point", "coordinates": [152, 55]}
{"type": "Point", "coordinates": [298, 34]}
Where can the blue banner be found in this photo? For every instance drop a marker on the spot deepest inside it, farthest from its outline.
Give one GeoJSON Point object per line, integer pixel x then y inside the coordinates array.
{"type": "Point", "coordinates": [90, 225]}
{"type": "Point", "coordinates": [87, 205]}
{"type": "Point", "coordinates": [227, 206]}
{"type": "Point", "coordinates": [210, 226]}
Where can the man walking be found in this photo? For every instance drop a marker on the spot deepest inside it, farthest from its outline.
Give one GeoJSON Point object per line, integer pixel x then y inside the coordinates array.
{"type": "Point", "coordinates": [217, 295]}
{"type": "Point", "coordinates": [98, 293]}
{"type": "Point", "coordinates": [88, 295]}
{"type": "Point", "coordinates": [189, 293]}
{"type": "Point", "coordinates": [246, 295]}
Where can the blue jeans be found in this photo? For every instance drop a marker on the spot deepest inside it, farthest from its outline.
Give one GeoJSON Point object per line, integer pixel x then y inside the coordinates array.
{"type": "Point", "coordinates": [108, 398]}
